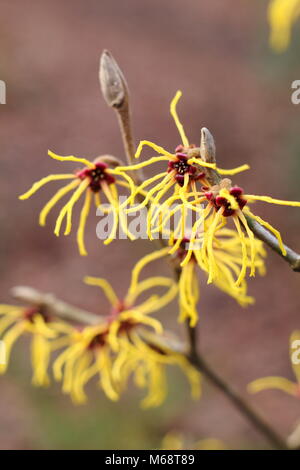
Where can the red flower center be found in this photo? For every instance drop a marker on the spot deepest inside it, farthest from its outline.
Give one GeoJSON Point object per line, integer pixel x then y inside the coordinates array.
{"type": "Point", "coordinates": [220, 201]}
{"type": "Point", "coordinates": [31, 312]}
{"type": "Point", "coordinates": [98, 341]}
{"type": "Point", "coordinates": [183, 249]}
{"type": "Point", "coordinates": [182, 167]}
{"type": "Point", "coordinates": [97, 176]}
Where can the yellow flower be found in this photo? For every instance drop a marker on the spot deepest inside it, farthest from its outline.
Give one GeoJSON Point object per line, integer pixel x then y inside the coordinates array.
{"type": "Point", "coordinates": [175, 441]}
{"type": "Point", "coordinates": [114, 351]}
{"type": "Point", "coordinates": [94, 178]}
{"type": "Point", "coordinates": [281, 383]}
{"type": "Point", "coordinates": [122, 346]}
{"type": "Point", "coordinates": [148, 365]}
{"type": "Point", "coordinates": [212, 205]}
{"type": "Point", "coordinates": [46, 337]}
{"type": "Point", "coordinates": [189, 293]}
{"type": "Point", "coordinates": [225, 202]}
{"type": "Point", "coordinates": [228, 257]}
{"type": "Point", "coordinates": [184, 171]}
{"type": "Point", "coordinates": [87, 356]}
{"type": "Point", "coordinates": [282, 15]}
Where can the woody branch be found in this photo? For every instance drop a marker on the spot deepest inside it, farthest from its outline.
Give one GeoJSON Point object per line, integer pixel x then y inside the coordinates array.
{"type": "Point", "coordinates": [58, 308]}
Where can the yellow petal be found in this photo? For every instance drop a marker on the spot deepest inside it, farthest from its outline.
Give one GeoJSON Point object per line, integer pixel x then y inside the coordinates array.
{"type": "Point", "coordinates": [279, 383]}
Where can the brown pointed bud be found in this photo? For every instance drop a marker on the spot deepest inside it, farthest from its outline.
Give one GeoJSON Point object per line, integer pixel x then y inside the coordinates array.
{"type": "Point", "coordinates": [207, 146]}
{"type": "Point", "coordinates": [112, 81]}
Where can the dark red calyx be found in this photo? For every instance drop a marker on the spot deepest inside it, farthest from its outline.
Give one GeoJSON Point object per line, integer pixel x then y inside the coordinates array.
{"type": "Point", "coordinates": [183, 249]}
{"type": "Point", "coordinates": [182, 167]}
{"type": "Point", "coordinates": [236, 191]}
{"type": "Point", "coordinates": [180, 179]}
{"type": "Point", "coordinates": [127, 325]}
{"type": "Point", "coordinates": [220, 201]}
{"type": "Point", "coordinates": [97, 176]}
{"type": "Point", "coordinates": [209, 195]}
{"type": "Point", "coordinates": [31, 312]}
{"type": "Point", "coordinates": [98, 341]}
{"type": "Point", "coordinates": [227, 212]}
{"type": "Point", "coordinates": [242, 203]}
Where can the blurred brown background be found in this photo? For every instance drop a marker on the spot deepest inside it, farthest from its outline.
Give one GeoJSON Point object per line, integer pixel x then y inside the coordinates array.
{"type": "Point", "coordinates": [217, 53]}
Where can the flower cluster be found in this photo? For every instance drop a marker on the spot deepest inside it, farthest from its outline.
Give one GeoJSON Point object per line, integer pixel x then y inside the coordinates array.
{"type": "Point", "coordinates": [129, 342]}
{"type": "Point", "coordinates": [47, 333]}
{"type": "Point", "coordinates": [228, 259]}
{"type": "Point", "coordinates": [123, 344]}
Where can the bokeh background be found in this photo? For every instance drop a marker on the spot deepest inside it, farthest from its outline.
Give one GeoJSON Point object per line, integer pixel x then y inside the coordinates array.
{"type": "Point", "coordinates": [217, 53]}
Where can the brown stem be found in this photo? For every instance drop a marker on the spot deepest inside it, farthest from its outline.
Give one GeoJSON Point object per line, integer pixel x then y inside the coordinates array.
{"type": "Point", "coordinates": [57, 308]}
{"type": "Point", "coordinates": [124, 119]}
{"type": "Point", "coordinates": [116, 94]}
{"type": "Point", "coordinates": [54, 306]}
{"type": "Point", "coordinates": [192, 341]}
{"type": "Point", "coordinates": [291, 257]}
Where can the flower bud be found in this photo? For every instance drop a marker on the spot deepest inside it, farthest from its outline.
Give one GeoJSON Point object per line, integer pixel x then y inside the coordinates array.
{"type": "Point", "coordinates": [112, 81]}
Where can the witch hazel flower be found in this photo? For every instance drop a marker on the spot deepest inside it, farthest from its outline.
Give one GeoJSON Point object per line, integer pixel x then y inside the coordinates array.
{"type": "Point", "coordinates": [123, 345]}
{"type": "Point", "coordinates": [226, 201]}
{"type": "Point", "coordinates": [95, 180]}
{"type": "Point", "coordinates": [178, 182]}
{"type": "Point", "coordinates": [228, 260]}
{"type": "Point", "coordinates": [47, 335]}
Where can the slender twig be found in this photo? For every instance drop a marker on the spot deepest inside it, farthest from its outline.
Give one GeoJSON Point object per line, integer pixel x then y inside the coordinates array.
{"type": "Point", "coordinates": [291, 257]}
{"type": "Point", "coordinates": [57, 308]}
{"type": "Point", "coordinates": [193, 340]}
{"type": "Point", "coordinates": [54, 306]}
